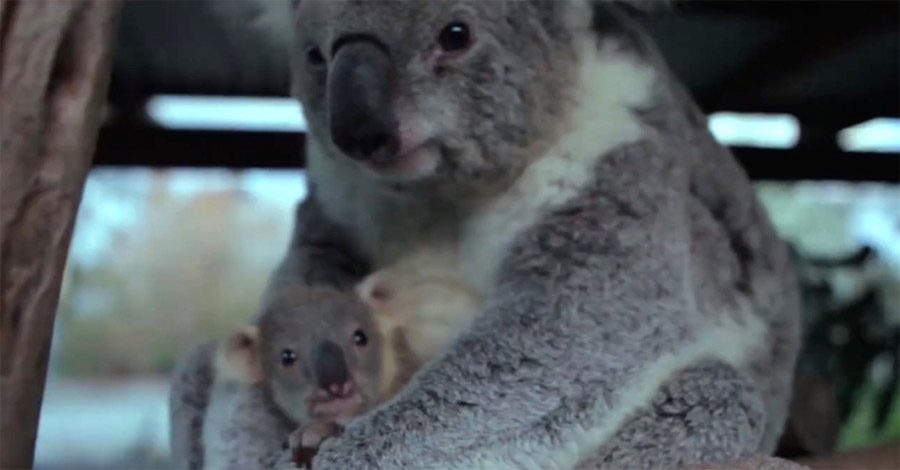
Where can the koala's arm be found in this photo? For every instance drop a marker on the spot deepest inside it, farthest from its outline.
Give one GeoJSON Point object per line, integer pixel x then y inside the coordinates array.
{"type": "Point", "coordinates": [245, 430]}
{"type": "Point", "coordinates": [593, 313]}
{"type": "Point", "coordinates": [320, 252]}
{"type": "Point", "coordinates": [188, 403]}
{"type": "Point", "coordinates": [216, 425]}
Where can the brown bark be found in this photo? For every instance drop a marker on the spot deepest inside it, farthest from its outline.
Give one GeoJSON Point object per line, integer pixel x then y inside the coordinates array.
{"type": "Point", "coordinates": [880, 457]}
{"type": "Point", "coordinates": [757, 462]}
{"type": "Point", "coordinates": [55, 58]}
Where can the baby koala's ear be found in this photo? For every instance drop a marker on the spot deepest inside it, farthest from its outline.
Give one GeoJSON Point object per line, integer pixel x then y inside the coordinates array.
{"type": "Point", "coordinates": [376, 292]}
{"type": "Point", "coordinates": [239, 356]}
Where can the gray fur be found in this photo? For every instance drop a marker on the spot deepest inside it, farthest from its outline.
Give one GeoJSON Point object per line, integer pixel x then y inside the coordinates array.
{"type": "Point", "coordinates": [221, 425]}
{"type": "Point", "coordinates": [587, 296]}
{"type": "Point", "coordinates": [674, 431]}
{"type": "Point", "coordinates": [188, 401]}
{"type": "Point", "coordinates": [328, 257]}
{"type": "Point", "coordinates": [606, 317]}
{"type": "Point", "coordinates": [245, 429]}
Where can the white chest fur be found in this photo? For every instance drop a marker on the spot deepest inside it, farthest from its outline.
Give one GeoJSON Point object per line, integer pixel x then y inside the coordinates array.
{"type": "Point", "coordinates": [611, 86]}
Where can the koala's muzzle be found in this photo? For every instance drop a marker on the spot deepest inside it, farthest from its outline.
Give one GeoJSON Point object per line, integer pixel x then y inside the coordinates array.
{"type": "Point", "coordinates": [360, 115]}
{"type": "Point", "coordinates": [330, 368]}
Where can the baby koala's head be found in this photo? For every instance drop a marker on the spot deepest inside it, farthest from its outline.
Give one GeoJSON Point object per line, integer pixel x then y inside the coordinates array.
{"type": "Point", "coordinates": [317, 349]}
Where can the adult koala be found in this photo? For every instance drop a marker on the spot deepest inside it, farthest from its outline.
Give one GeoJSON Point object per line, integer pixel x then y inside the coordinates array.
{"type": "Point", "coordinates": [641, 311]}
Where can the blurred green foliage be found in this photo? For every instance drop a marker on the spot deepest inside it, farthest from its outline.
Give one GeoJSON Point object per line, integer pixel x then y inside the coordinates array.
{"type": "Point", "coordinates": [860, 430]}
{"type": "Point", "coordinates": [192, 268]}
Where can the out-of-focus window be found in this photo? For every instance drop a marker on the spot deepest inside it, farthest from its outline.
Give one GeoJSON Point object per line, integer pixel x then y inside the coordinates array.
{"type": "Point", "coordinates": [159, 261]}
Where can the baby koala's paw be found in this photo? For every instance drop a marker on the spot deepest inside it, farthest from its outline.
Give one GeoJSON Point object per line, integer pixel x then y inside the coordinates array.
{"type": "Point", "coordinates": [304, 441]}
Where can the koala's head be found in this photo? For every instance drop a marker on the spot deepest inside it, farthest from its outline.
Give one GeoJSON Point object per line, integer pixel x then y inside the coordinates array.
{"type": "Point", "coordinates": [319, 352]}
{"type": "Point", "coordinates": [437, 92]}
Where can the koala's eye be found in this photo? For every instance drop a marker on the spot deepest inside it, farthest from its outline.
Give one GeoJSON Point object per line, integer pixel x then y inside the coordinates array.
{"type": "Point", "coordinates": [454, 37]}
{"type": "Point", "coordinates": [314, 56]}
{"type": "Point", "coordinates": [288, 357]}
{"type": "Point", "coordinates": [360, 338]}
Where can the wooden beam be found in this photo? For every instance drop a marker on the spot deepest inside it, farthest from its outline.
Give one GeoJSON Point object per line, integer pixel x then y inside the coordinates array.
{"type": "Point", "coordinates": [56, 58]}
{"type": "Point", "coordinates": [818, 164]}
{"type": "Point", "coordinates": [837, 26]}
{"type": "Point", "coordinates": [155, 147]}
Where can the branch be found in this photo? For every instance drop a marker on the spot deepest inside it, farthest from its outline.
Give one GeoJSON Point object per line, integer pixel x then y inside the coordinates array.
{"type": "Point", "coordinates": [55, 59]}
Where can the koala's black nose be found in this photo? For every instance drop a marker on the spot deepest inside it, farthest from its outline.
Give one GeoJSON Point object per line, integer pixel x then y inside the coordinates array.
{"type": "Point", "coordinates": [360, 88]}
{"type": "Point", "coordinates": [330, 368]}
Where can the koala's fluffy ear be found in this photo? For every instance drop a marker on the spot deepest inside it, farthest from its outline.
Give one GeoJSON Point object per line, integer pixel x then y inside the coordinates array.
{"type": "Point", "coordinates": [378, 292]}
{"type": "Point", "coordinates": [375, 291]}
{"type": "Point", "coordinates": [239, 357]}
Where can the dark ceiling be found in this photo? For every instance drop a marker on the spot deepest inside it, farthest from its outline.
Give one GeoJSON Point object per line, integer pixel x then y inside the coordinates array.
{"type": "Point", "coordinates": [831, 63]}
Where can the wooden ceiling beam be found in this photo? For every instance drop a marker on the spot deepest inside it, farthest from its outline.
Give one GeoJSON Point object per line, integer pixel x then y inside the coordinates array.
{"type": "Point", "coordinates": [813, 31]}
{"type": "Point", "coordinates": [154, 147]}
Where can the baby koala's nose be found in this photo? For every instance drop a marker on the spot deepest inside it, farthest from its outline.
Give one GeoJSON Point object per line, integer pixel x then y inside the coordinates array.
{"type": "Point", "coordinates": [340, 390]}
{"type": "Point", "coordinates": [331, 370]}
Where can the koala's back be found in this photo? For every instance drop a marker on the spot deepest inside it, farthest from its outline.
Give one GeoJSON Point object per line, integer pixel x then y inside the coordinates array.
{"type": "Point", "coordinates": [741, 265]}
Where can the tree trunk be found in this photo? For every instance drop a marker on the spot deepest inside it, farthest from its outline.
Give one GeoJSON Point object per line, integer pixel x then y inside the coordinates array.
{"type": "Point", "coordinates": [881, 456]}
{"type": "Point", "coordinates": [55, 57]}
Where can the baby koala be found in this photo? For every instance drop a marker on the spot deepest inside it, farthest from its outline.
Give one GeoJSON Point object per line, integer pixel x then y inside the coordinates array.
{"type": "Point", "coordinates": [321, 356]}
{"type": "Point", "coordinates": [328, 356]}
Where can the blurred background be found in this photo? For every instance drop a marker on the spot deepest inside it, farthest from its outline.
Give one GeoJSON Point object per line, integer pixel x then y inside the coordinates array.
{"type": "Point", "coordinates": [199, 166]}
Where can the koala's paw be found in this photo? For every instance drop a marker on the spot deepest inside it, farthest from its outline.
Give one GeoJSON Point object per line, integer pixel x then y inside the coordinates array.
{"type": "Point", "coordinates": [304, 441]}
{"type": "Point", "coordinates": [284, 460]}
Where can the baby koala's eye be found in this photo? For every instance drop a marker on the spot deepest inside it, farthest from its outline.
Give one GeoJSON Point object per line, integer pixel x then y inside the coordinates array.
{"type": "Point", "coordinates": [288, 357]}
{"type": "Point", "coordinates": [454, 37]}
{"type": "Point", "coordinates": [360, 338]}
